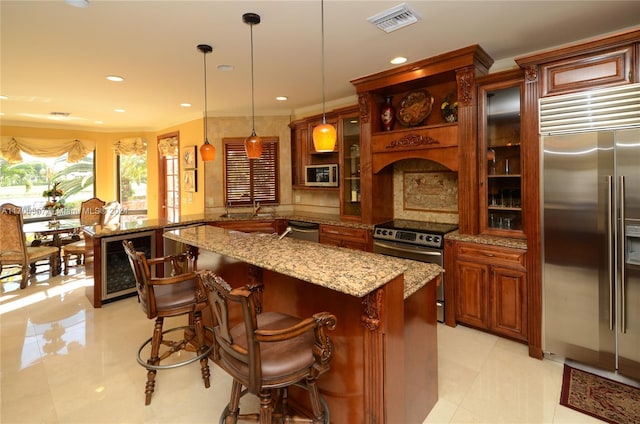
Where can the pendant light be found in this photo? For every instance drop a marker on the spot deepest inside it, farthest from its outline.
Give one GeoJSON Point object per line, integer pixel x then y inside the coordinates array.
{"type": "Point", "coordinates": [253, 143]}
{"type": "Point", "coordinates": [324, 135]}
{"type": "Point", "coordinates": [207, 151]}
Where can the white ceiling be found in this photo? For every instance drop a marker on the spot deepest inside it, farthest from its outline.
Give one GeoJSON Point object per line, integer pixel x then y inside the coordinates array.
{"type": "Point", "coordinates": [55, 57]}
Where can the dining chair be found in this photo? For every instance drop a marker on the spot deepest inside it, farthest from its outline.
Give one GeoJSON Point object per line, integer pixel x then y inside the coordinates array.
{"type": "Point", "coordinates": [14, 250]}
{"type": "Point", "coordinates": [160, 298]}
{"type": "Point", "coordinates": [91, 213]}
{"type": "Point", "coordinates": [268, 352]}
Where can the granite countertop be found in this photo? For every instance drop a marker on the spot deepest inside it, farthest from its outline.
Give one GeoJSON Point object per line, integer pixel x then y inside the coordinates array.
{"type": "Point", "coordinates": [489, 240]}
{"type": "Point", "coordinates": [352, 272]}
{"type": "Point", "coordinates": [315, 218]}
{"type": "Point", "coordinates": [127, 226]}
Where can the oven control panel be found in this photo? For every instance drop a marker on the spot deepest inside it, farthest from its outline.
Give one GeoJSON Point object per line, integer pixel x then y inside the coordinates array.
{"type": "Point", "coordinates": [412, 237]}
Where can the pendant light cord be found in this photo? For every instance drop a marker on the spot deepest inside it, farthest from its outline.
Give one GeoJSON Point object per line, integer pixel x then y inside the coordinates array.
{"type": "Point", "coordinates": [253, 107]}
{"type": "Point", "coordinates": [324, 118]}
{"type": "Point", "coordinates": [204, 59]}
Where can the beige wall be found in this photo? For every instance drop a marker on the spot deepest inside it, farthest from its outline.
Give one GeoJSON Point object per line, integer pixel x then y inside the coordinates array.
{"type": "Point", "coordinates": [209, 196]}
{"type": "Point", "coordinates": [228, 127]}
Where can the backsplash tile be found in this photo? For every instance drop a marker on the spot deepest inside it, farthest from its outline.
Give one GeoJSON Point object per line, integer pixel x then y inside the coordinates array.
{"type": "Point", "coordinates": [425, 191]}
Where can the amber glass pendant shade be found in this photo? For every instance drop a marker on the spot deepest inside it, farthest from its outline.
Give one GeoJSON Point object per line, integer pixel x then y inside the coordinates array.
{"type": "Point", "coordinates": [207, 152]}
{"type": "Point", "coordinates": [253, 146]}
{"type": "Point", "coordinates": [324, 138]}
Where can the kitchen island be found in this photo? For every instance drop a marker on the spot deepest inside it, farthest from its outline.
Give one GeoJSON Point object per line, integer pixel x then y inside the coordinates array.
{"type": "Point", "coordinates": [384, 367]}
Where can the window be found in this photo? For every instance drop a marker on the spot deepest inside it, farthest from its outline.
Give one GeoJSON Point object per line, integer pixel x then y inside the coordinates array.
{"type": "Point", "coordinates": [23, 184]}
{"type": "Point", "coordinates": [251, 180]}
{"type": "Point", "coordinates": [132, 183]}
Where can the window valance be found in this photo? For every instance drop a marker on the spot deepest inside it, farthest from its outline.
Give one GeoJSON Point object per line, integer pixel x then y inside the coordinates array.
{"type": "Point", "coordinates": [130, 146]}
{"type": "Point", "coordinates": [168, 146]}
{"type": "Point", "coordinates": [11, 148]}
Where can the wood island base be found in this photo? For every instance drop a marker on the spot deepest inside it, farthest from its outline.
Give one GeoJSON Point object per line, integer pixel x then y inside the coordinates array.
{"type": "Point", "coordinates": [384, 368]}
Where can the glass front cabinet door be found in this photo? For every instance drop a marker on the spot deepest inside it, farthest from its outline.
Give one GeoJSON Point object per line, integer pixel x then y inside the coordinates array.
{"type": "Point", "coordinates": [350, 167]}
{"type": "Point", "coordinates": [501, 191]}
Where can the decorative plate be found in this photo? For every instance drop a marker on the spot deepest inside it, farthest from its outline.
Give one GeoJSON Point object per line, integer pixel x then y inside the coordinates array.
{"type": "Point", "coordinates": [414, 108]}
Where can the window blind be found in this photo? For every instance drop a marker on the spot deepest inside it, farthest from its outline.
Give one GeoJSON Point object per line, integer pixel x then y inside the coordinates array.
{"type": "Point", "coordinates": [249, 180]}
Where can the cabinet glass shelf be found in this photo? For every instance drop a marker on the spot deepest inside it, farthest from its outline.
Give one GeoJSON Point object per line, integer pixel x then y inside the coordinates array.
{"type": "Point", "coordinates": [500, 140]}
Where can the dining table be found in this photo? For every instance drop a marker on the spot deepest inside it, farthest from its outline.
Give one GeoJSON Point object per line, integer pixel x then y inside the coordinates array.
{"type": "Point", "coordinates": [64, 231]}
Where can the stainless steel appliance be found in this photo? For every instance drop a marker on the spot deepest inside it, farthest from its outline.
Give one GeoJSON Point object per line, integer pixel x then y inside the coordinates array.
{"type": "Point", "coordinates": [591, 228]}
{"type": "Point", "coordinates": [303, 230]}
{"type": "Point", "coordinates": [416, 240]}
{"type": "Point", "coordinates": [321, 175]}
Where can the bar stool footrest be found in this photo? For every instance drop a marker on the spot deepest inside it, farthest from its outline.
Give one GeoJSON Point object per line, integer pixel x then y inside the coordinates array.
{"type": "Point", "coordinates": [148, 366]}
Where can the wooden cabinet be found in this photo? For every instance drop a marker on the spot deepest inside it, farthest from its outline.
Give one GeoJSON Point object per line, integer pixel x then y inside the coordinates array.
{"type": "Point", "coordinates": [268, 226]}
{"type": "Point", "coordinates": [490, 288]}
{"type": "Point", "coordinates": [450, 142]}
{"type": "Point", "coordinates": [303, 152]}
{"type": "Point", "coordinates": [352, 238]}
{"type": "Point", "coordinates": [501, 164]}
{"type": "Point", "coordinates": [592, 70]}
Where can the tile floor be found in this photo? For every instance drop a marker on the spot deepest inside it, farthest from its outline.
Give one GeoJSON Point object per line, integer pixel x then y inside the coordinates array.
{"type": "Point", "coordinates": [63, 361]}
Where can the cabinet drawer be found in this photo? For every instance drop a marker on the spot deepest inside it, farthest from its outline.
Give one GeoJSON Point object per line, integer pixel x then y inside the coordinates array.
{"type": "Point", "coordinates": [353, 238]}
{"type": "Point", "coordinates": [344, 232]}
{"type": "Point", "coordinates": [599, 69]}
{"type": "Point", "coordinates": [493, 254]}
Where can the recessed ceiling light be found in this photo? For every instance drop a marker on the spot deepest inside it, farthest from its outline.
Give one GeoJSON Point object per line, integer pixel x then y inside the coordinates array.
{"type": "Point", "coordinates": [185, 104]}
{"type": "Point", "coordinates": [115, 78]}
{"type": "Point", "coordinates": [119, 110]}
{"type": "Point", "coordinates": [398, 60]}
{"type": "Point", "coordinates": [99, 122]}
{"type": "Point", "coordinates": [225, 68]}
{"type": "Point", "coordinates": [282, 98]}
{"type": "Point", "coordinates": [78, 3]}
{"type": "Point", "coordinates": [3, 97]}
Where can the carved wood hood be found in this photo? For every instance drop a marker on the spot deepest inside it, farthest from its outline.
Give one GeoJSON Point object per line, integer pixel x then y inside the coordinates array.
{"type": "Point", "coordinates": [439, 143]}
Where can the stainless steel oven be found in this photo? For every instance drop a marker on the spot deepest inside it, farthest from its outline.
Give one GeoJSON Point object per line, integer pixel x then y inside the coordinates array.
{"type": "Point", "coordinates": [415, 240]}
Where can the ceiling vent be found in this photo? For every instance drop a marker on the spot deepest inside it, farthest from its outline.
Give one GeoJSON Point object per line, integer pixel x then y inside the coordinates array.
{"type": "Point", "coordinates": [395, 18]}
{"type": "Point", "coordinates": [60, 114]}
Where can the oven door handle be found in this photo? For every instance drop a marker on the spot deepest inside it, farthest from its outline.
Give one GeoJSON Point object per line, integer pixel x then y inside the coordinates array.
{"type": "Point", "coordinates": [401, 249]}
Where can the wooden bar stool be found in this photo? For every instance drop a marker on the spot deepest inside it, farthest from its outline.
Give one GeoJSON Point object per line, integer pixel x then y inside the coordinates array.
{"type": "Point", "coordinates": [172, 296]}
{"type": "Point", "coordinates": [267, 353]}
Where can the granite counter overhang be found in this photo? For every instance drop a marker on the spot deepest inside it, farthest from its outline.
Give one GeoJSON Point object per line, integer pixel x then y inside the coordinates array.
{"type": "Point", "coordinates": [348, 271]}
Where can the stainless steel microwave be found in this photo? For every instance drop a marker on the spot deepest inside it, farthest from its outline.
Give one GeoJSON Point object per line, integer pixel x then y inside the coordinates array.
{"type": "Point", "coordinates": [321, 175]}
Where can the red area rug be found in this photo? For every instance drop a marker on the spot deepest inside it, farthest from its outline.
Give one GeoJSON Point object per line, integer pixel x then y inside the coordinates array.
{"type": "Point", "coordinates": [600, 397]}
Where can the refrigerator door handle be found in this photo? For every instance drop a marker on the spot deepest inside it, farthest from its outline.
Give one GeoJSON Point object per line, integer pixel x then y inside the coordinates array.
{"type": "Point", "coordinates": [623, 259]}
{"type": "Point", "coordinates": [610, 250]}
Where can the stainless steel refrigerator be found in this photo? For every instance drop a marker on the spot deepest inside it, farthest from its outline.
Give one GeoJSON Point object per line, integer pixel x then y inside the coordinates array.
{"type": "Point", "coordinates": [591, 228]}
